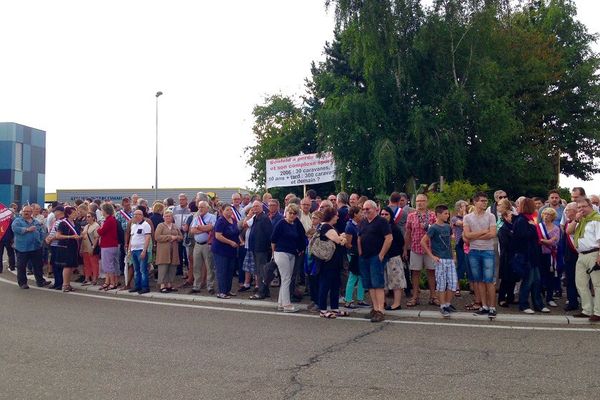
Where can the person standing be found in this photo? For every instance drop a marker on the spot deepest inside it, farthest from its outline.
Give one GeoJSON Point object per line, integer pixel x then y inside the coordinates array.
{"type": "Point", "coordinates": [586, 237]}
{"type": "Point", "coordinates": [417, 224]}
{"type": "Point", "coordinates": [167, 238]}
{"type": "Point", "coordinates": [29, 238]}
{"type": "Point", "coordinates": [224, 250]}
{"type": "Point", "coordinates": [259, 242]}
{"type": "Point", "coordinates": [202, 228]}
{"type": "Point", "coordinates": [68, 235]}
{"type": "Point", "coordinates": [180, 215]}
{"type": "Point", "coordinates": [570, 256]}
{"type": "Point", "coordinates": [91, 259]}
{"type": "Point", "coordinates": [109, 248]}
{"type": "Point", "coordinates": [374, 241]}
{"type": "Point", "coordinates": [141, 233]}
{"type": "Point", "coordinates": [287, 242]}
{"type": "Point", "coordinates": [479, 230]}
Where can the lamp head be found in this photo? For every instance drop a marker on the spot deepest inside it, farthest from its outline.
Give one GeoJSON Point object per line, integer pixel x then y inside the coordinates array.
{"type": "Point", "coordinates": [159, 94]}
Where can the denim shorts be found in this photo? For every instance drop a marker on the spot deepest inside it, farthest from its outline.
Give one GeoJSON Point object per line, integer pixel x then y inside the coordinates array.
{"type": "Point", "coordinates": [481, 264]}
{"type": "Point", "coordinates": [372, 272]}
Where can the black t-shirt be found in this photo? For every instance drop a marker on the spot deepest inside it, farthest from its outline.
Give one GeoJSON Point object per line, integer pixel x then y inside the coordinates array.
{"type": "Point", "coordinates": [337, 259]}
{"type": "Point", "coordinates": [372, 235]}
{"type": "Point", "coordinates": [397, 244]}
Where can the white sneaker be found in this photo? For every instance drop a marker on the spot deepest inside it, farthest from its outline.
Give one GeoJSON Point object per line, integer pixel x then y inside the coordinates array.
{"type": "Point", "coordinates": [292, 309]}
{"type": "Point", "coordinates": [552, 303]}
{"type": "Point", "coordinates": [545, 310]}
{"type": "Point", "coordinates": [528, 311]}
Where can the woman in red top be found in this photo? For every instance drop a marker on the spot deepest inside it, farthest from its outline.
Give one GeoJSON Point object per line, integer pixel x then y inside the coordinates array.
{"type": "Point", "coordinates": [109, 248]}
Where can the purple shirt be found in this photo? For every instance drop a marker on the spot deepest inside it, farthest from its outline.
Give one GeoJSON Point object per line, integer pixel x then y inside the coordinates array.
{"type": "Point", "coordinates": [554, 233]}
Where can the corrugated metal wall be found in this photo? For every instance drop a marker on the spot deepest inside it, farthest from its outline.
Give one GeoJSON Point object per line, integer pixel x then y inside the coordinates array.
{"type": "Point", "coordinates": [69, 195]}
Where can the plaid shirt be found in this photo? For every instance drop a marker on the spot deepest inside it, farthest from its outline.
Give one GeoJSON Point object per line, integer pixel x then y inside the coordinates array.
{"type": "Point", "coordinates": [417, 231]}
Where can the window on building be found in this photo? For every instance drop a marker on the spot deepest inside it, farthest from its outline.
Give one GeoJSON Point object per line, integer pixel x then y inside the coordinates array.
{"type": "Point", "coordinates": [18, 194]}
{"type": "Point", "coordinates": [19, 157]}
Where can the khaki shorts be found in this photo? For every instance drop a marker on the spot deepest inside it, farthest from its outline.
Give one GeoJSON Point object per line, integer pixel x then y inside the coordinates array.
{"type": "Point", "coordinates": [418, 261]}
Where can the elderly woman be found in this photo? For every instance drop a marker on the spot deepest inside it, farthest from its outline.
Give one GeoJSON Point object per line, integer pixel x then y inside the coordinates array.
{"type": "Point", "coordinates": [167, 237]}
{"type": "Point", "coordinates": [67, 234]}
{"type": "Point", "coordinates": [91, 260]}
{"type": "Point", "coordinates": [109, 248]}
{"type": "Point", "coordinates": [287, 242]}
{"type": "Point", "coordinates": [224, 250]}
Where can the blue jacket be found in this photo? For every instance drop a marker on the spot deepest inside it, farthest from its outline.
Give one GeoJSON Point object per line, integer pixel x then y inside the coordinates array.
{"type": "Point", "coordinates": [27, 241]}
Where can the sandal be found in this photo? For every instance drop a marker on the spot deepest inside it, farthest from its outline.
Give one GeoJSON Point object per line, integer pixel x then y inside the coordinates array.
{"type": "Point", "coordinates": [164, 290]}
{"type": "Point", "coordinates": [112, 287]}
{"type": "Point", "coordinates": [339, 313]}
{"type": "Point", "coordinates": [350, 305]}
{"type": "Point", "coordinates": [103, 287]}
{"type": "Point", "coordinates": [327, 314]}
{"type": "Point", "coordinates": [412, 302]}
{"type": "Point", "coordinates": [473, 306]}
{"type": "Point", "coordinates": [434, 301]}
{"type": "Point", "coordinates": [457, 293]}
{"type": "Point", "coordinates": [256, 297]}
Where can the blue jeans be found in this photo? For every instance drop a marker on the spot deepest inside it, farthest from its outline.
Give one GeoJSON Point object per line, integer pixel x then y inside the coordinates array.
{"type": "Point", "coordinates": [329, 286]}
{"type": "Point", "coordinates": [240, 262]}
{"type": "Point", "coordinates": [140, 270]}
{"type": "Point", "coordinates": [531, 284]}
{"type": "Point", "coordinates": [224, 267]}
{"type": "Point", "coordinates": [481, 263]}
{"type": "Point", "coordinates": [372, 272]}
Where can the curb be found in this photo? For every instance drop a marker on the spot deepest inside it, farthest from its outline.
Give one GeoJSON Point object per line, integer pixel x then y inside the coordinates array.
{"type": "Point", "coordinates": [424, 314]}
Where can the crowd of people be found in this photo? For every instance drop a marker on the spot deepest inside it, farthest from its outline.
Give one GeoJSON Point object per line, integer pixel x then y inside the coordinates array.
{"type": "Point", "coordinates": [339, 248]}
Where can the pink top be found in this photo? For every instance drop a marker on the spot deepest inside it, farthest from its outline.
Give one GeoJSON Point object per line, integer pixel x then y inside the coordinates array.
{"type": "Point", "coordinates": [417, 224]}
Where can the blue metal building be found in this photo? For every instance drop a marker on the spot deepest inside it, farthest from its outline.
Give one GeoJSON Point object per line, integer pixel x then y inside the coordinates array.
{"type": "Point", "coordinates": [22, 164]}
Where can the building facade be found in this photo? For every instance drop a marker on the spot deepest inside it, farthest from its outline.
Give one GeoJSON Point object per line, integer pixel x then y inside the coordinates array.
{"type": "Point", "coordinates": [116, 195]}
{"type": "Point", "coordinates": [22, 164]}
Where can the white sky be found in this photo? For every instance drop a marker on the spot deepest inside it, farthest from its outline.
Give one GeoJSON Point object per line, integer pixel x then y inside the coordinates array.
{"type": "Point", "coordinates": [87, 73]}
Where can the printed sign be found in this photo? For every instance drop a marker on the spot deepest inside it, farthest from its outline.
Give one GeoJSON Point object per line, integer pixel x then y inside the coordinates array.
{"type": "Point", "coordinates": [305, 169]}
{"type": "Point", "coordinates": [5, 215]}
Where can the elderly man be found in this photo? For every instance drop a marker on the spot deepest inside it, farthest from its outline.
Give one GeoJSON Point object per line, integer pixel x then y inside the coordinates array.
{"type": "Point", "coordinates": [259, 242]}
{"type": "Point", "coordinates": [201, 227]}
{"type": "Point", "coordinates": [29, 237]}
{"type": "Point", "coordinates": [586, 237]}
{"type": "Point", "coordinates": [498, 195]}
{"type": "Point", "coordinates": [238, 216]}
{"type": "Point", "coordinates": [354, 200]}
{"type": "Point", "coordinates": [274, 212]}
{"type": "Point", "coordinates": [570, 259]}
{"type": "Point", "coordinates": [181, 213]}
{"type": "Point", "coordinates": [374, 241]}
{"type": "Point", "coordinates": [305, 216]}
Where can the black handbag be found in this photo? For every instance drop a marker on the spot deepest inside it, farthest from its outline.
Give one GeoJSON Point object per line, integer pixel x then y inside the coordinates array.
{"type": "Point", "coordinates": [96, 248]}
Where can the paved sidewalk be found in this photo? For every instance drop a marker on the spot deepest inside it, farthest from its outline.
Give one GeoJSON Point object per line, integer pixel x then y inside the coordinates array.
{"type": "Point", "coordinates": [404, 313]}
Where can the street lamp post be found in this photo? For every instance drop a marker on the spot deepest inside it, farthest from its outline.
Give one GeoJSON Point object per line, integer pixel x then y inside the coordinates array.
{"type": "Point", "coordinates": [158, 94]}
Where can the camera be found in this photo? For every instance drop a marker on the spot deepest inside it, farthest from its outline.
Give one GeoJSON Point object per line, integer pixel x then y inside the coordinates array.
{"type": "Point", "coordinates": [596, 267]}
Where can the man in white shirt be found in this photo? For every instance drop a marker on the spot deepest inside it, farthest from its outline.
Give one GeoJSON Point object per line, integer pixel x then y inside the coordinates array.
{"type": "Point", "coordinates": [586, 237]}
{"type": "Point", "coordinates": [181, 213]}
{"type": "Point", "coordinates": [201, 227]}
{"type": "Point", "coordinates": [138, 248]}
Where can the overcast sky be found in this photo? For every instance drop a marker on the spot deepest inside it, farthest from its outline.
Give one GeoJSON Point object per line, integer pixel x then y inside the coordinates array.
{"type": "Point", "coordinates": [87, 74]}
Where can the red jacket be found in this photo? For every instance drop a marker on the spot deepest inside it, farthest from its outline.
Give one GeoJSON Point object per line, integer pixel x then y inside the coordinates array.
{"type": "Point", "coordinates": [108, 233]}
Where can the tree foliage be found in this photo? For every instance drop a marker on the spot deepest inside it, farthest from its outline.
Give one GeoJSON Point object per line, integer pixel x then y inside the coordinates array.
{"type": "Point", "coordinates": [479, 90]}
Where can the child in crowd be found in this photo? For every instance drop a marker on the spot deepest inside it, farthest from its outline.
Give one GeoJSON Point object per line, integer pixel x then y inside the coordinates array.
{"type": "Point", "coordinates": [436, 245]}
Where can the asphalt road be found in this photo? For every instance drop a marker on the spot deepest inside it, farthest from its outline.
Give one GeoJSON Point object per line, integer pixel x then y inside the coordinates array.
{"type": "Point", "coordinates": [69, 346]}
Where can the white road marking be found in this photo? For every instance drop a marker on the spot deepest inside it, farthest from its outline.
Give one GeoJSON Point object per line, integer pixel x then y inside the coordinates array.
{"type": "Point", "coordinates": [281, 314]}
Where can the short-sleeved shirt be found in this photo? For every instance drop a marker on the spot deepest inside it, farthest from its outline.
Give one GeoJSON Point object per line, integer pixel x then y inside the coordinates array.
{"type": "Point", "coordinates": [231, 232]}
{"type": "Point", "coordinates": [138, 235]}
{"type": "Point", "coordinates": [417, 224]}
{"type": "Point", "coordinates": [372, 235]}
{"type": "Point", "coordinates": [352, 229]}
{"type": "Point", "coordinates": [478, 223]}
{"type": "Point", "coordinates": [439, 236]}
{"type": "Point", "coordinates": [206, 219]}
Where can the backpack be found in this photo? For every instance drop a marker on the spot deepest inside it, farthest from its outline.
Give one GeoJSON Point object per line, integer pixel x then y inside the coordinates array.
{"type": "Point", "coordinates": [319, 248]}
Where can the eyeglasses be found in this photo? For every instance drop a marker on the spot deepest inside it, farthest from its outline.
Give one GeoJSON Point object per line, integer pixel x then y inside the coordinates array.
{"type": "Point", "coordinates": [502, 197]}
{"type": "Point", "coordinates": [385, 214]}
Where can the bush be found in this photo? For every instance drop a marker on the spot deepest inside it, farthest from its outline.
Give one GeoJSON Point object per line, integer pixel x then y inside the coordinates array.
{"type": "Point", "coordinates": [454, 191]}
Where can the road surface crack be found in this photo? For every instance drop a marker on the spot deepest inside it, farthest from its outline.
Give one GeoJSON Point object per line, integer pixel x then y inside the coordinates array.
{"type": "Point", "coordinates": [296, 385]}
